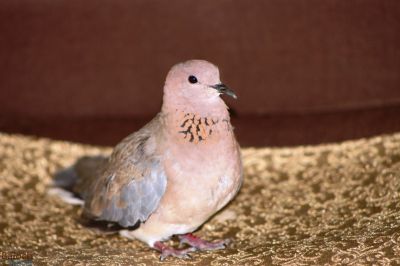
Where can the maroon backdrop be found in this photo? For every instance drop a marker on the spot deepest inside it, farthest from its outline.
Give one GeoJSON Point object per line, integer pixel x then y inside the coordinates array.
{"type": "Point", "coordinates": [305, 71]}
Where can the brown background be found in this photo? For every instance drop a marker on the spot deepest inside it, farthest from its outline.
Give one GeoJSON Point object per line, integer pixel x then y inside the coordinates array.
{"type": "Point", "coordinates": [305, 71]}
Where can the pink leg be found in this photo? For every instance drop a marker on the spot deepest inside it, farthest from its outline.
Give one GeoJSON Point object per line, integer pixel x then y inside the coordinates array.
{"type": "Point", "coordinates": [169, 251]}
{"type": "Point", "coordinates": [201, 244]}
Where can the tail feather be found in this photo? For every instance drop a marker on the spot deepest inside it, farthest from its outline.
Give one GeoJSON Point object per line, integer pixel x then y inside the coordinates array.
{"type": "Point", "coordinates": [66, 178]}
{"type": "Point", "coordinates": [71, 183]}
{"type": "Point", "coordinates": [65, 196]}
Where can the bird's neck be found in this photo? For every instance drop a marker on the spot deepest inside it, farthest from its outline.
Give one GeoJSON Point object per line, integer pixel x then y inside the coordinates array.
{"type": "Point", "coordinates": [194, 127]}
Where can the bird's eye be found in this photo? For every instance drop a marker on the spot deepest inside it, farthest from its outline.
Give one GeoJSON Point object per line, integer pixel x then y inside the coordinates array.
{"type": "Point", "coordinates": [192, 79]}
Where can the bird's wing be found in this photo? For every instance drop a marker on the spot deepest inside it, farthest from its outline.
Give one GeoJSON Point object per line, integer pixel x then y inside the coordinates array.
{"type": "Point", "coordinates": [133, 182]}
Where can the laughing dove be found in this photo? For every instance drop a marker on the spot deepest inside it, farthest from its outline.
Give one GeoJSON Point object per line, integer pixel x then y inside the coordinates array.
{"type": "Point", "coordinates": [173, 174]}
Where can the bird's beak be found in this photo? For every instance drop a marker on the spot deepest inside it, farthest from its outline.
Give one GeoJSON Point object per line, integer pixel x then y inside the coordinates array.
{"type": "Point", "coordinates": [223, 89]}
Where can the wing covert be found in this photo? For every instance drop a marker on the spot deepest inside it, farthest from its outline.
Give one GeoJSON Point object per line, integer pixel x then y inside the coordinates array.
{"type": "Point", "coordinates": [133, 183]}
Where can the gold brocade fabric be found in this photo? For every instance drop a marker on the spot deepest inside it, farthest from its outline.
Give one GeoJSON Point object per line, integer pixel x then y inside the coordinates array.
{"type": "Point", "coordinates": [336, 204]}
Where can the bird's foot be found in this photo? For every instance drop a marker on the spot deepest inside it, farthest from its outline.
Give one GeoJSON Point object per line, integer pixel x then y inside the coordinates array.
{"type": "Point", "coordinates": [201, 244]}
{"type": "Point", "coordinates": [167, 251]}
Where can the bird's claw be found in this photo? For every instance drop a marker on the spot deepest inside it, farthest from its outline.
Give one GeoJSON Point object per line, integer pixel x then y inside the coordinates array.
{"type": "Point", "coordinates": [194, 242]}
{"type": "Point", "coordinates": [200, 244]}
{"type": "Point", "coordinates": [167, 251]}
{"type": "Point", "coordinates": [177, 253]}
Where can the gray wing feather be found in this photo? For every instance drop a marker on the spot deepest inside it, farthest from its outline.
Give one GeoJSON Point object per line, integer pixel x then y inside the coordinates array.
{"type": "Point", "coordinates": [141, 197]}
{"type": "Point", "coordinates": [133, 184]}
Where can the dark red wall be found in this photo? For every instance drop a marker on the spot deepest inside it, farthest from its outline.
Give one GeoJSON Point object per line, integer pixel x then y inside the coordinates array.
{"type": "Point", "coordinates": [109, 58]}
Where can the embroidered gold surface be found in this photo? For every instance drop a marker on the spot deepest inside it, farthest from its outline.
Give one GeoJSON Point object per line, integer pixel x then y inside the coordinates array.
{"type": "Point", "coordinates": [328, 204]}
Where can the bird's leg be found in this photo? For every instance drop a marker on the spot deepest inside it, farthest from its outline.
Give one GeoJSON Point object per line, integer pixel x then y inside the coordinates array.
{"type": "Point", "coordinates": [170, 251]}
{"type": "Point", "coordinates": [201, 244]}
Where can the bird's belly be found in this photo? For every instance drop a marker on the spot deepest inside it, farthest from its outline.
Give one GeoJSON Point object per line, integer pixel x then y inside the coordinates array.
{"type": "Point", "coordinates": [200, 186]}
{"type": "Point", "coordinates": [187, 206]}
{"type": "Point", "coordinates": [197, 187]}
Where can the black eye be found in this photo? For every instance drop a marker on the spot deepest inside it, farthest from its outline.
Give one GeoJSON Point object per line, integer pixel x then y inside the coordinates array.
{"type": "Point", "coordinates": [192, 79]}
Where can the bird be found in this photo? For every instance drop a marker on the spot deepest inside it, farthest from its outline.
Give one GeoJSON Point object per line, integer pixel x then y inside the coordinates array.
{"type": "Point", "coordinates": [168, 178]}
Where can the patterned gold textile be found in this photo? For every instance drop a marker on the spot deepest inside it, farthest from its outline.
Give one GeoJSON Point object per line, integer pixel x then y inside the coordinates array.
{"type": "Point", "coordinates": [320, 205]}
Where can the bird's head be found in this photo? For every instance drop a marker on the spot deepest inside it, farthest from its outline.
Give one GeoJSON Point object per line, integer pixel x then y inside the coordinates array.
{"type": "Point", "coordinates": [195, 83]}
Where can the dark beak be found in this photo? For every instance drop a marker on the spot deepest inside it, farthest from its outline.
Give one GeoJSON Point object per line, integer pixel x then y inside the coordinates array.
{"type": "Point", "coordinates": [223, 89]}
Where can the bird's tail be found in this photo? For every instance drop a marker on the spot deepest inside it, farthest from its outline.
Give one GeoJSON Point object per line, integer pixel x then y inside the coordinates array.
{"type": "Point", "coordinates": [66, 178]}
{"type": "Point", "coordinates": [71, 183]}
